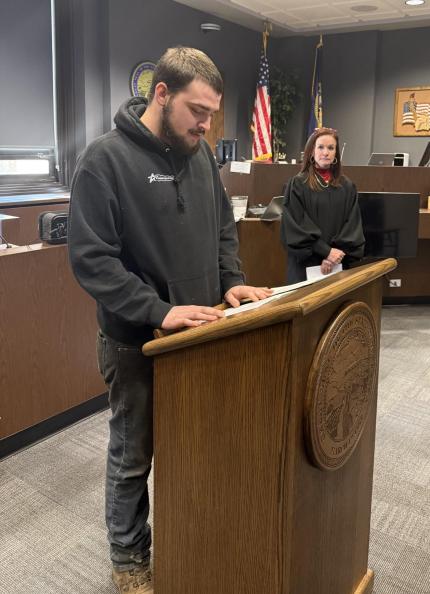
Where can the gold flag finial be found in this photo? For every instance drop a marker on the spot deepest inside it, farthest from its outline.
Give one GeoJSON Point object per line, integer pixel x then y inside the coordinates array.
{"type": "Point", "coordinates": [266, 33]}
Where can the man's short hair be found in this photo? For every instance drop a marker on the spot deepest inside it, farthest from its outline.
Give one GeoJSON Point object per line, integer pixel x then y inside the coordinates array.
{"type": "Point", "coordinates": [179, 66]}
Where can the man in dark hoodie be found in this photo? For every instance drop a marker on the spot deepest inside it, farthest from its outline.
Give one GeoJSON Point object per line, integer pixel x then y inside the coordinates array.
{"type": "Point", "coordinates": [152, 238]}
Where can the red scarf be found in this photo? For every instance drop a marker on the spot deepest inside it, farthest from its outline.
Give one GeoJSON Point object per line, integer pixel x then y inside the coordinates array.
{"type": "Point", "coordinates": [326, 174]}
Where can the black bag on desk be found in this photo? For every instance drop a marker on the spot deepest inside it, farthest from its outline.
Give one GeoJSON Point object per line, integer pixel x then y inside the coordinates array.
{"type": "Point", "coordinates": [53, 227]}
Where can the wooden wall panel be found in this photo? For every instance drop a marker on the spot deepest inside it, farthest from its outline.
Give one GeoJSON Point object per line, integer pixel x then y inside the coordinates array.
{"type": "Point", "coordinates": [264, 261]}
{"type": "Point", "coordinates": [263, 257]}
{"type": "Point", "coordinates": [266, 181]}
{"type": "Point", "coordinates": [414, 274]}
{"type": "Point", "coordinates": [424, 224]}
{"type": "Point", "coordinates": [47, 336]}
{"type": "Point", "coordinates": [217, 127]}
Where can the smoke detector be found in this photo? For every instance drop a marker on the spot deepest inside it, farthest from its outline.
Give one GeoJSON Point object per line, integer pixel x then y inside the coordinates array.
{"type": "Point", "coordinates": [208, 27]}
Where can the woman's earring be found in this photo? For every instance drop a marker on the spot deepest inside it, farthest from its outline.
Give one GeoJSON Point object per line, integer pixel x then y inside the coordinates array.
{"type": "Point", "coordinates": [334, 161]}
{"type": "Point", "coordinates": [312, 159]}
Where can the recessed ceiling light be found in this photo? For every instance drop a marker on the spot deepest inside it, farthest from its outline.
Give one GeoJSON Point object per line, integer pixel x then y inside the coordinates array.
{"type": "Point", "coordinates": [414, 2]}
{"type": "Point", "coordinates": [364, 8]}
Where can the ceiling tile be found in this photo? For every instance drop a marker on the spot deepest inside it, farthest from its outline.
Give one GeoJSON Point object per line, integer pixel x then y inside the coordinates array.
{"type": "Point", "coordinates": [314, 16]}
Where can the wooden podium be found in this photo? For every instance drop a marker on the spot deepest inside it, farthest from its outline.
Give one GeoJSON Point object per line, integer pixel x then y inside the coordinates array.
{"type": "Point", "coordinates": [264, 428]}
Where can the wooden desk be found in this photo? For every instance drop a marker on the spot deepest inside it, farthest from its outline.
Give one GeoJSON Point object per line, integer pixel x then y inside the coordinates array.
{"type": "Point", "coordinates": [28, 208]}
{"type": "Point", "coordinates": [47, 334]}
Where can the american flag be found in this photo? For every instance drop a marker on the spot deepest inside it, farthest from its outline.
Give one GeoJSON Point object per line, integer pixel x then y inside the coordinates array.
{"type": "Point", "coordinates": [261, 123]}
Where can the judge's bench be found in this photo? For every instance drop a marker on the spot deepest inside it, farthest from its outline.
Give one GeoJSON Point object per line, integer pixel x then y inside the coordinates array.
{"type": "Point", "coordinates": [263, 257]}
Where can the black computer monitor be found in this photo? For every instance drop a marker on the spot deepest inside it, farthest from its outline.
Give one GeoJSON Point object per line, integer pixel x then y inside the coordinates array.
{"type": "Point", "coordinates": [390, 223]}
{"type": "Point", "coordinates": [226, 150]}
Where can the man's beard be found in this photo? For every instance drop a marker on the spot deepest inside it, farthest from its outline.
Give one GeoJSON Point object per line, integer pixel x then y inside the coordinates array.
{"type": "Point", "coordinates": [177, 142]}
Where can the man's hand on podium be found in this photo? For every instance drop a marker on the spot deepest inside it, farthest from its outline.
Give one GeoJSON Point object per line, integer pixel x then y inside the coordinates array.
{"type": "Point", "coordinates": [244, 292]}
{"type": "Point", "coordinates": [181, 316]}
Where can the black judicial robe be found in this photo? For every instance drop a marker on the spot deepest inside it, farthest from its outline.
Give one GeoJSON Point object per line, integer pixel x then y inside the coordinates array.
{"type": "Point", "coordinates": [315, 221]}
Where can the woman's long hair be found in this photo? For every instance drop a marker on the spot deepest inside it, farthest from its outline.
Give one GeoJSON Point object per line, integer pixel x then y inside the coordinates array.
{"type": "Point", "coordinates": [308, 166]}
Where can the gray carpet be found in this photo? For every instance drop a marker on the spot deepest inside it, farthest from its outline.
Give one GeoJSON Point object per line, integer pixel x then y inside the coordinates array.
{"type": "Point", "coordinates": [400, 527]}
{"type": "Point", "coordinates": [52, 531]}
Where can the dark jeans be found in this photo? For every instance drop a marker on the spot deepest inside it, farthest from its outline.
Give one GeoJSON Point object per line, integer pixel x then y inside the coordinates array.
{"type": "Point", "coordinates": [129, 376]}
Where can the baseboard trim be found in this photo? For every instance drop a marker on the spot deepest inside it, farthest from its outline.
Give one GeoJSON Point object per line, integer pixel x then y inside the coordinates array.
{"type": "Point", "coordinates": [421, 300]}
{"type": "Point", "coordinates": [27, 437]}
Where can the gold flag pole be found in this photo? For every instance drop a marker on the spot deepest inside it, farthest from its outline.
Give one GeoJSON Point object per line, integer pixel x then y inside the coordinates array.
{"type": "Point", "coordinates": [319, 44]}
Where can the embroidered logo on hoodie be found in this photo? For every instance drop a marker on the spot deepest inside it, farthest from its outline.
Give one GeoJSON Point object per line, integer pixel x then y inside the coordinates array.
{"type": "Point", "coordinates": [158, 177]}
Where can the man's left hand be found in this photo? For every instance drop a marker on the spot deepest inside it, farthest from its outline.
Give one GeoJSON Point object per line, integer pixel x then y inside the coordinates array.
{"type": "Point", "coordinates": [237, 294]}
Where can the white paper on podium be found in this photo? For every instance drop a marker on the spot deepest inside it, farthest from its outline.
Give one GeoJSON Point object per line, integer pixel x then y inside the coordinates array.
{"type": "Point", "coordinates": [232, 311]}
{"type": "Point", "coordinates": [314, 272]}
{"type": "Point", "coordinates": [278, 292]}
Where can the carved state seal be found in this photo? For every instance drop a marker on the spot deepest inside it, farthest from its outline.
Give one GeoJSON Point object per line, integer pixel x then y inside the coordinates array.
{"type": "Point", "coordinates": [341, 386]}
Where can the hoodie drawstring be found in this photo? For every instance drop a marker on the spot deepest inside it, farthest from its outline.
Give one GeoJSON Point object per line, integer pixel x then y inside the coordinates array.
{"type": "Point", "coordinates": [179, 198]}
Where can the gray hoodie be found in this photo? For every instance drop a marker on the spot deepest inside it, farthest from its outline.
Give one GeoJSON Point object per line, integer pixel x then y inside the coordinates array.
{"type": "Point", "coordinates": [148, 229]}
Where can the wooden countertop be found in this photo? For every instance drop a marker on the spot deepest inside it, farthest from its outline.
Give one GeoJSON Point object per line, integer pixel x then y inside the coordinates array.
{"type": "Point", "coordinates": [34, 199]}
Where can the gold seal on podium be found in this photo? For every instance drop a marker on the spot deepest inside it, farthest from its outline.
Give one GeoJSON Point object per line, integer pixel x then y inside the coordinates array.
{"type": "Point", "coordinates": [341, 386]}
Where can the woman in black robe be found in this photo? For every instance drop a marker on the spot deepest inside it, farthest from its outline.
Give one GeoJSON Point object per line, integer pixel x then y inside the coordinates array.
{"type": "Point", "coordinates": [321, 221]}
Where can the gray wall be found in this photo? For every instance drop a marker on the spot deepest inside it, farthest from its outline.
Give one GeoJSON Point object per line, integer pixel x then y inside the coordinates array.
{"type": "Point", "coordinates": [142, 30]}
{"type": "Point", "coordinates": [92, 84]}
{"type": "Point", "coordinates": [26, 104]}
{"type": "Point", "coordinates": [404, 61]}
{"type": "Point", "coordinates": [295, 55]}
{"type": "Point", "coordinates": [360, 74]}
{"type": "Point", "coordinates": [349, 92]}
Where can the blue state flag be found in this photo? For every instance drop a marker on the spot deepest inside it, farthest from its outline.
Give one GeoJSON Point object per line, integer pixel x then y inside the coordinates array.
{"type": "Point", "coordinates": [315, 117]}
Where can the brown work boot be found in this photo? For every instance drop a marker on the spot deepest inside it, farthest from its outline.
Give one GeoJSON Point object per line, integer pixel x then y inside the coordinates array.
{"type": "Point", "coordinates": [133, 581]}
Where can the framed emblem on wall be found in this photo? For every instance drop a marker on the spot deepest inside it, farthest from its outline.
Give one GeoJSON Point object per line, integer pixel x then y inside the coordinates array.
{"type": "Point", "coordinates": [141, 79]}
{"type": "Point", "coordinates": [412, 112]}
